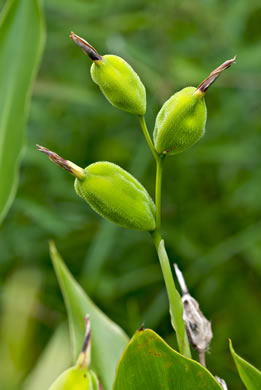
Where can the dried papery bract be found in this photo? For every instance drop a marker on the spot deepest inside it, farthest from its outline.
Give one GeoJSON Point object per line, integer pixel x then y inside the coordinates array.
{"type": "Point", "coordinates": [198, 327]}
{"type": "Point", "coordinates": [181, 121]}
{"type": "Point", "coordinates": [221, 382]}
{"type": "Point", "coordinates": [203, 87]}
{"type": "Point", "coordinates": [117, 80]}
{"type": "Point", "coordinates": [69, 166]}
{"type": "Point", "coordinates": [86, 47]}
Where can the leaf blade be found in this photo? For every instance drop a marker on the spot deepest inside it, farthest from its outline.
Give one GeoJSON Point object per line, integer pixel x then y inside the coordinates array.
{"type": "Point", "coordinates": [148, 363]}
{"type": "Point", "coordinates": [250, 375]}
{"type": "Point", "coordinates": [19, 59]}
{"type": "Point", "coordinates": [108, 340]}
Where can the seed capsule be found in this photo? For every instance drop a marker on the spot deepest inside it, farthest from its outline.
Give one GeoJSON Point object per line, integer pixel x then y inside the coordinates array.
{"type": "Point", "coordinates": [119, 83]}
{"type": "Point", "coordinates": [181, 121]}
{"type": "Point", "coordinates": [75, 378]}
{"type": "Point", "coordinates": [112, 192]}
{"type": "Point", "coordinates": [79, 377]}
{"type": "Point", "coordinates": [115, 194]}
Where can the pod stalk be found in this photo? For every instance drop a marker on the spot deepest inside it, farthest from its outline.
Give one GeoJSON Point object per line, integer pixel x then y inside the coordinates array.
{"type": "Point", "coordinates": [203, 87]}
{"type": "Point", "coordinates": [86, 47]}
{"type": "Point", "coordinates": [69, 166]}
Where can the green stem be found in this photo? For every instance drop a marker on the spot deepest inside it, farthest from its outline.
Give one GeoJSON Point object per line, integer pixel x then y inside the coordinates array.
{"type": "Point", "coordinates": [148, 139]}
{"type": "Point", "coordinates": [159, 163]}
{"type": "Point", "coordinates": [158, 186]}
{"type": "Point", "coordinates": [176, 307]}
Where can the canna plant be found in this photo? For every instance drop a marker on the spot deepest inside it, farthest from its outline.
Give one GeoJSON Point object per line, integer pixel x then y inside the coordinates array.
{"type": "Point", "coordinates": [146, 362]}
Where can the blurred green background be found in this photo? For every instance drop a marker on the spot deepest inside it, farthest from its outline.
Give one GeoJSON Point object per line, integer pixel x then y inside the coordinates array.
{"type": "Point", "coordinates": [211, 206]}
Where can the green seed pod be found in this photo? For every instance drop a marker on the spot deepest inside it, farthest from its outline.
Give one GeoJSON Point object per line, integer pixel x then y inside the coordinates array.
{"type": "Point", "coordinates": [76, 378]}
{"type": "Point", "coordinates": [79, 377]}
{"type": "Point", "coordinates": [119, 83]}
{"type": "Point", "coordinates": [181, 121]}
{"type": "Point", "coordinates": [112, 192]}
{"type": "Point", "coordinates": [115, 194]}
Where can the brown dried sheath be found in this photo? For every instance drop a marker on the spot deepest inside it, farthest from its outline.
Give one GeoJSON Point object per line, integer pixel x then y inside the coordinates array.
{"type": "Point", "coordinates": [203, 87]}
{"type": "Point", "coordinates": [86, 47]}
{"type": "Point", "coordinates": [69, 166]}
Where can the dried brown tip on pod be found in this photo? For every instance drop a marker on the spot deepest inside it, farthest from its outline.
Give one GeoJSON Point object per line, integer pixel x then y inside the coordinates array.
{"type": "Point", "coordinates": [203, 87]}
{"type": "Point", "coordinates": [85, 355]}
{"type": "Point", "coordinates": [69, 166]}
{"type": "Point", "coordinates": [86, 47]}
{"type": "Point", "coordinates": [197, 326]}
{"type": "Point", "coordinates": [87, 337]}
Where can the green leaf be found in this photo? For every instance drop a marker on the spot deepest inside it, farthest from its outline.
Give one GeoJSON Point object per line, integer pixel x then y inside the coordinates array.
{"type": "Point", "coordinates": [148, 363]}
{"type": "Point", "coordinates": [21, 43]}
{"type": "Point", "coordinates": [251, 376]}
{"type": "Point", "coordinates": [108, 340]}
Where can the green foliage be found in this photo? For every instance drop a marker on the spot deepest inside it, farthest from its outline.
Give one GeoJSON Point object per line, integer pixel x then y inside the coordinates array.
{"type": "Point", "coordinates": [211, 202]}
{"type": "Point", "coordinates": [180, 122]}
{"type": "Point", "coordinates": [148, 363]}
{"type": "Point", "coordinates": [21, 44]}
{"type": "Point", "coordinates": [250, 376]}
{"type": "Point", "coordinates": [115, 194]}
{"type": "Point", "coordinates": [108, 340]}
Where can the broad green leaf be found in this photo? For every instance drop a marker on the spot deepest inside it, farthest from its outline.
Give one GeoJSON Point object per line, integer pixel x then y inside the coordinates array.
{"type": "Point", "coordinates": [108, 340]}
{"type": "Point", "coordinates": [21, 43]}
{"type": "Point", "coordinates": [251, 376]}
{"type": "Point", "coordinates": [148, 363]}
